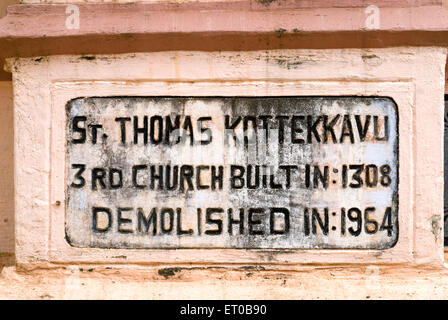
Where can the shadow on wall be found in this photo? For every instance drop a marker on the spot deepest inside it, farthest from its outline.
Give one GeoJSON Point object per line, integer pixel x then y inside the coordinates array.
{"type": "Point", "coordinates": [7, 238]}
{"type": "Point", "coordinates": [4, 4]}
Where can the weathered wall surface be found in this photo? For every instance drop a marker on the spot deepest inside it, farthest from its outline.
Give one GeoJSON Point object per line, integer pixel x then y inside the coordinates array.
{"type": "Point", "coordinates": [417, 91]}
{"type": "Point", "coordinates": [254, 281]}
{"type": "Point", "coordinates": [224, 282]}
{"type": "Point", "coordinates": [6, 174]}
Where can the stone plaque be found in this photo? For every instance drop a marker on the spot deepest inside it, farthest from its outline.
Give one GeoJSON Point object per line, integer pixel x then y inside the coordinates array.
{"type": "Point", "coordinates": [232, 172]}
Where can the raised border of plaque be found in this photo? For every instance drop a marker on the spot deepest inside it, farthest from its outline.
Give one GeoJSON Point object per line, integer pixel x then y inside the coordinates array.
{"type": "Point", "coordinates": [244, 255]}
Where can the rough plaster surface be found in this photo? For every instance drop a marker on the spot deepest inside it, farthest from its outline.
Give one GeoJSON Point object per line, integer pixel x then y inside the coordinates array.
{"type": "Point", "coordinates": [282, 17]}
{"type": "Point", "coordinates": [105, 28]}
{"type": "Point", "coordinates": [413, 77]}
{"type": "Point", "coordinates": [416, 82]}
{"type": "Point", "coordinates": [209, 282]}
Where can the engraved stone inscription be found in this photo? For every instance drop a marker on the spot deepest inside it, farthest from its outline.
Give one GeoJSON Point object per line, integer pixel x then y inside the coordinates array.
{"type": "Point", "coordinates": [232, 172]}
